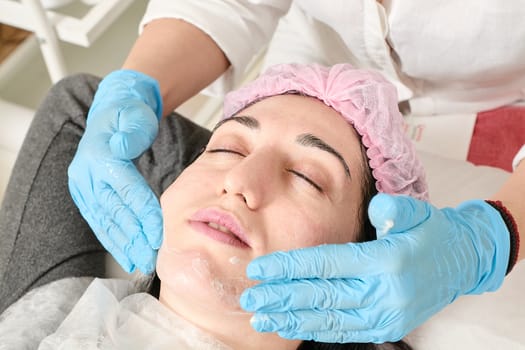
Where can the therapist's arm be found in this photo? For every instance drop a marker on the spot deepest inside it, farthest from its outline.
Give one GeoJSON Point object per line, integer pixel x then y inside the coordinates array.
{"type": "Point", "coordinates": [181, 57]}
{"type": "Point", "coordinates": [511, 195]}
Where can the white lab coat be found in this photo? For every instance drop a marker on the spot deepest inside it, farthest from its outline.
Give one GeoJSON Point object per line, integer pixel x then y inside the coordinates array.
{"type": "Point", "coordinates": [444, 56]}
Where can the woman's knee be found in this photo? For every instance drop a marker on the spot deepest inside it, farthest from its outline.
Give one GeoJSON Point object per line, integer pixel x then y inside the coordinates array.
{"type": "Point", "coordinates": [79, 88]}
{"type": "Point", "coordinates": [69, 99]}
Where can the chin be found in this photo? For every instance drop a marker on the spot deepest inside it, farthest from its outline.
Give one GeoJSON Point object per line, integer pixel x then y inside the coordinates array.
{"type": "Point", "coordinates": [193, 286]}
{"type": "Point", "coordinates": [201, 290]}
{"type": "Point", "coordinates": [197, 277]}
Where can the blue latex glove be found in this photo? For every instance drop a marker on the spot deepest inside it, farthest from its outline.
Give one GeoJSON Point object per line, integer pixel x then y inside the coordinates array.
{"type": "Point", "coordinates": [111, 194]}
{"type": "Point", "coordinates": [381, 290]}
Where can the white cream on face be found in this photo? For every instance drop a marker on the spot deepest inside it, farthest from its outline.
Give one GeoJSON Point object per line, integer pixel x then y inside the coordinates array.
{"type": "Point", "coordinates": [193, 272]}
{"type": "Point", "coordinates": [234, 260]}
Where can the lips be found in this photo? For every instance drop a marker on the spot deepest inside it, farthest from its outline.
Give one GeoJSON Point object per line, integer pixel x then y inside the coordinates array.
{"type": "Point", "coordinates": [220, 226]}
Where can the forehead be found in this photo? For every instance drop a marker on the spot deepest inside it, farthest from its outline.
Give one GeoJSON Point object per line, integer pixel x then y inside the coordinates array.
{"type": "Point", "coordinates": [296, 110]}
{"type": "Point", "coordinates": [303, 114]}
{"type": "Point", "coordinates": [286, 116]}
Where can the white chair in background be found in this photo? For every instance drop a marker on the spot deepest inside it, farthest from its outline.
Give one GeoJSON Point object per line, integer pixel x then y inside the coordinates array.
{"type": "Point", "coordinates": [50, 26]}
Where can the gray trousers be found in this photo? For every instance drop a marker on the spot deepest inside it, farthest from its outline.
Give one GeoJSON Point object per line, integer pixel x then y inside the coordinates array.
{"type": "Point", "coordinates": [43, 237]}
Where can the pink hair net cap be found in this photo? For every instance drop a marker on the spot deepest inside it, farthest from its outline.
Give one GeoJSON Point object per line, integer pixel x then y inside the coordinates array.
{"type": "Point", "coordinates": [365, 99]}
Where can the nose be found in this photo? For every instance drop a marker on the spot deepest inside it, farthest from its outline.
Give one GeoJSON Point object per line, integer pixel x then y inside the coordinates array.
{"type": "Point", "coordinates": [252, 179]}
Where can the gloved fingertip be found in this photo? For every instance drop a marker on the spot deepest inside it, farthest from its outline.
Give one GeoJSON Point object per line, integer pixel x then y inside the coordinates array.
{"type": "Point", "coordinates": [147, 262]}
{"type": "Point", "coordinates": [263, 323]}
{"type": "Point", "coordinates": [122, 260]}
{"type": "Point", "coordinates": [143, 256]}
{"type": "Point", "coordinates": [267, 267]}
{"type": "Point", "coordinates": [154, 240]}
{"type": "Point", "coordinates": [137, 129]}
{"type": "Point", "coordinates": [254, 270]}
{"type": "Point", "coordinates": [126, 265]}
{"type": "Point", "coordinates": [248, 301]}
{"type": "Point", "coordinates": [153, 230]}
{"type": "Point", "coordinates": [382, 211]}
{"type": "Point", "coordinates": [396, 213]}
{"type": "Point", "coordinates": [129, 145]}
{"type": "Point", "coordinates": [294, 336]}
{"type": "Point", "coordinates": [156, 243]}
{"type": "Point", "coordinates": [147, 269]}
{"type": "Point", "coordinates": [131, 269]}
{"type": "Point", "coordinates": [120, 146]}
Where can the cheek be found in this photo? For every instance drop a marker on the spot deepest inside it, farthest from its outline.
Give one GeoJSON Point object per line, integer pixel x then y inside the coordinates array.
{"type": "Point", "coordinates": [172, 202]}
{"type": "Point", "coordinates": [330, 230]}
{"type": "Point", "coordinates": [178, 201]}
{"type": "Point", "coordinates": [191, 184]}
{"type": "Point", "coordinates": [301, 228]}
{"type": "Point", "coordinates": [166, 199]}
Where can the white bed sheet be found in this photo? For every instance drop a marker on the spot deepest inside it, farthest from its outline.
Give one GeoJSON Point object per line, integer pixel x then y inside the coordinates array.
{"type": "Point", "coordinates": [479, 322]}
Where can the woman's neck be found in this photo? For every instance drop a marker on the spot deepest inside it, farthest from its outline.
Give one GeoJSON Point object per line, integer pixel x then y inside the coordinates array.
{"type": "Point", "coordinates": [231, 328]}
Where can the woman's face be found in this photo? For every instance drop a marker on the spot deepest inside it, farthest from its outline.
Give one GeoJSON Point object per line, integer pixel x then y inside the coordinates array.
{"type": "Point", "coordinates": [284, 173]}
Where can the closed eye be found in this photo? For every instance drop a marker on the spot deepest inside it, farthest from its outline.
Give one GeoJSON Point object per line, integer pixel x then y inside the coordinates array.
{"type": "Point", "coordinates": [307, 179]}
{"type": "Point", "coordinates": [294, 172]}
{"type": "Point", "coordinates": [224, 150]}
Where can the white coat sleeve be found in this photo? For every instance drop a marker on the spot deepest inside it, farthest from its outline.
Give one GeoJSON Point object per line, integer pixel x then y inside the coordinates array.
{"type": "Point", "coordinates": [240, 28]}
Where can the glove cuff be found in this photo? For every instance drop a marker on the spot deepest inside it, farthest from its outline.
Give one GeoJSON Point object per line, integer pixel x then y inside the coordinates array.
{"type": "Point", "coordinates": [128, 81]}
{"type": "Point", "coordinates": [513, 232]}
{"type": "Point", "coordinates": [490, 238]}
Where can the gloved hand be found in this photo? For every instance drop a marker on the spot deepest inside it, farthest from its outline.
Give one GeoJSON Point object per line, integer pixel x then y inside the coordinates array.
{"type": "Point", "coordinates": [111, 194]}
{"type": "Point", "coordinates": [381, 290]}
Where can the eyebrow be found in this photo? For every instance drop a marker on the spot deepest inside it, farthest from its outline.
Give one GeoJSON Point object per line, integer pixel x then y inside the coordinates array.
{"type": "Point", "coordinates": [313, 141]}
{"type": "Point", "coordinates": [308, 140]}
{"type": "Point", "coordinates": [247, 121]}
